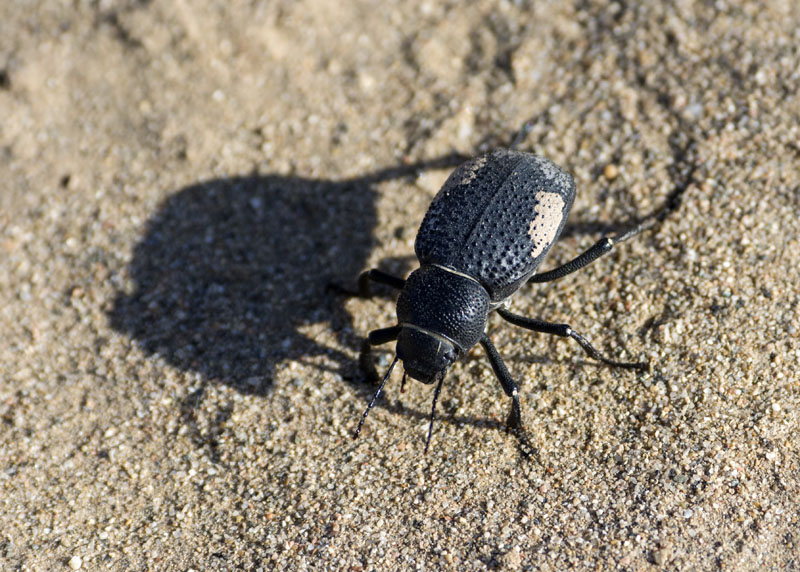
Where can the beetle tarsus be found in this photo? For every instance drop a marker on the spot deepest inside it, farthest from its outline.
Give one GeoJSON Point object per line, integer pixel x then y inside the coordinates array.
{"type": "Point", "coordinates": [514, 426]}
{"type": "Point", "coordinates": [514, 421]}
{"type": "Point", "coordinates": [593, 353]}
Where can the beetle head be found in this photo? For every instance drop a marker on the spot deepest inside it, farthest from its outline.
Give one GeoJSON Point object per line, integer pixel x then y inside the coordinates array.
{"type": "Point", "coordinates": [425, 356]}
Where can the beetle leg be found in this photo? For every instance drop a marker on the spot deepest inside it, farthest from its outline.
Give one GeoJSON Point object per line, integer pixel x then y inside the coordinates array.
{"type": "Point", "coordinates": [514, 422]}
{"type": "Point", "coordinates": [364, 279]}
{"type": "Point", "coordinates": [565, 331]}
{"type": "Point", "coordinates": [380, 277]}
{"type": "Point", "coordinates": [383, 336]}
{"type": "Point", "coordinates": [375, 338]}
{"type": "Point", "coordinates": [601, 247]}
{"type": "Point", "coordinates": [506, 381]}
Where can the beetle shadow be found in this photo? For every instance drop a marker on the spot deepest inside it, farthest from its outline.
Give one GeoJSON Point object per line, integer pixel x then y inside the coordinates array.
{"type": "Point", "coordinates": [230, 272]}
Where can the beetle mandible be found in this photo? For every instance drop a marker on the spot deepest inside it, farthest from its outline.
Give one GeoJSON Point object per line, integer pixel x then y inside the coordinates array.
{"type": "Point", "coordinates": [484, 235]}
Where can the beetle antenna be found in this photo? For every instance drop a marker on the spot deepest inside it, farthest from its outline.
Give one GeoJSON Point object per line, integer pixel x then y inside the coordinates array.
{"type": "Point", "coordinates": [433, 410]}
{"type": "Point", "coordinates": [521, 134]}
{"type": "Point", "coordinates": [375, 398]}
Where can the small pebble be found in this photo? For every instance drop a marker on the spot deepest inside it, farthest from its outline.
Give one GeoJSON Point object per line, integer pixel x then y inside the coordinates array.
{"type": "Point", "coordinates": [75, 562]}
{"type": "Point", "coordinates": [512, 560]}
{"type": "Point", "coordinates": [611, 172]}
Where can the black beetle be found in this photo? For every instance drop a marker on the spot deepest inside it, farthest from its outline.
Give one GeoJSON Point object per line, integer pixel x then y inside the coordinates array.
{"type": "Point", "coordinates": [483, 237]}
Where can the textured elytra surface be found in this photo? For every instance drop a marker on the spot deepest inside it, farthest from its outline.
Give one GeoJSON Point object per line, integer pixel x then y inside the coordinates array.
{"type": "Point", "coordinates": [496, 218]}
{"type": "Point", "coordinates": [444, 303]}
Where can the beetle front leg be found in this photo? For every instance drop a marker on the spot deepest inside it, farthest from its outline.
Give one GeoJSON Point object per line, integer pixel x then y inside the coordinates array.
{"type": "Point", "coordinates": [506, 381]}
{"type": "Point", "coordinates": [375, 338]}
{"type": "Point", "coordinates": [514, 422]}
{"type": "Point", "coordinates": [565, 331]}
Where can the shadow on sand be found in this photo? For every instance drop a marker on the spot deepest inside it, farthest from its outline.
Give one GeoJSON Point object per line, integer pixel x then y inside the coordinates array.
{"type": "Point", "coordinates": [229, 270]}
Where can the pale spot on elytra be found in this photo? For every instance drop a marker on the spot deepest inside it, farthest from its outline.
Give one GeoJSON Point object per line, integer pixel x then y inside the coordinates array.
{"type": "Point", "coordinates": [547, 215]}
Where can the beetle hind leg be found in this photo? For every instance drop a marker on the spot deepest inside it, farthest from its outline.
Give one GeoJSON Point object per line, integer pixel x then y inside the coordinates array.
{"type": "Point", "coordinates": [600, 248]}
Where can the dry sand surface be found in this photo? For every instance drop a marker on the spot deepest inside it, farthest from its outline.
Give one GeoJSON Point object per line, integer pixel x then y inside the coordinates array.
{"type": "Point", "coordinates": [181, 181]}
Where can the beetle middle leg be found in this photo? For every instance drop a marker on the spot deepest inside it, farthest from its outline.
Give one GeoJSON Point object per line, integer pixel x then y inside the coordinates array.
{"type": "Point", "coordinates": [566, 331]}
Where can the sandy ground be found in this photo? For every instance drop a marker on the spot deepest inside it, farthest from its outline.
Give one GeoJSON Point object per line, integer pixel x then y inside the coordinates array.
{"type": "Point", "coordinates": [180, 181]}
